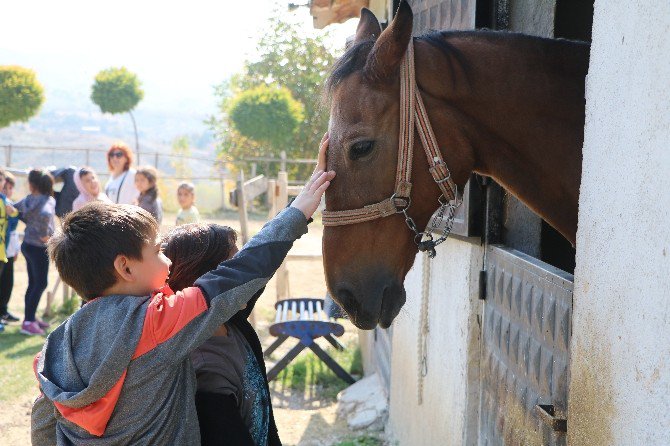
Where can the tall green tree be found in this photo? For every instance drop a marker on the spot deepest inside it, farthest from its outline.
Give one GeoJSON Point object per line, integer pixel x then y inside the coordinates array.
{"type": "Point", "coordinates": [287, 58]}
{"type": "Point", "coordinates": [21, 94]}
{"type": "Point", "coordinates": [117, 90]}
{"type": "Point", "coordinates": [268, 115]}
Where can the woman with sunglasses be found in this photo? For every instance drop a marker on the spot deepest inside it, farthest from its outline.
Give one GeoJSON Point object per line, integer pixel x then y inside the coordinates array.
{"type": "Point", "coordinates": [121, 185]}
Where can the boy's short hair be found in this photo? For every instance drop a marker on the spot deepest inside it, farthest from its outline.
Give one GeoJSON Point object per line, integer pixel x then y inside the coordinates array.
{"type": "Point", "coordinates": [41, 180]}
{"type": "Point", "coordinates": [187, 186]}
{"type": "Point", "coordinates": [89, 240]}
{"type": "Point", "coordinates": [195, 249]}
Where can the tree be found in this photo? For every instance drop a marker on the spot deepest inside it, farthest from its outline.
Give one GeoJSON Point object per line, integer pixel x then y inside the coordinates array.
{"type": "Point", "coordinates": [21, 94]}
{"type": "Point", "coordinates": [266, 114]}
{"type": "Point", "coordinates": [288, 58]}
{"type": "Point", "coordinates": [117, 90]}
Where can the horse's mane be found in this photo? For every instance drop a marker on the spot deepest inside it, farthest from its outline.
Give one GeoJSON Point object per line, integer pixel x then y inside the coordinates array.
{"type": "Point", "coordinates": [351, 61]}
{"type": "Point", "coordinates": [355, 56]}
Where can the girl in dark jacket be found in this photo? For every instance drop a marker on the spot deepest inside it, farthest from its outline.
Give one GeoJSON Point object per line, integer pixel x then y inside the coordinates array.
{"type": "Point", "coordinates": [37, 210]}
{"type": "Point", "coordinates": [146, 180]}
{"type": "Point", "coordinates": [232, 399]}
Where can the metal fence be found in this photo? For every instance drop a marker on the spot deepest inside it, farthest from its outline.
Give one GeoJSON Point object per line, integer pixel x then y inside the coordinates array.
{"type": "Point", "coordinates": [211, 177]}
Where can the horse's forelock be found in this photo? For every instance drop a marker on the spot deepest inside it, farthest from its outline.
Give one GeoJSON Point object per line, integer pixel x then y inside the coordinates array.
{"type": "Point", "coordinates": [351, 61]}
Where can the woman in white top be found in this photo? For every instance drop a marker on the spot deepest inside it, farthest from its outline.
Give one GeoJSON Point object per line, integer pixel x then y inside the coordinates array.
{"type": "Point", "coordinates": [121, 185]}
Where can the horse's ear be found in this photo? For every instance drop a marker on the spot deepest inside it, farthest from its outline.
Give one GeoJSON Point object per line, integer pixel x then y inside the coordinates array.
{"type": "Point", "coordinates": [385, 57]}
{"type": "Point", "coordinates": [368, 26]}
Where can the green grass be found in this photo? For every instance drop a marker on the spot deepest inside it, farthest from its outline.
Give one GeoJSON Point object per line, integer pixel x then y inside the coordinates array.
{"type": "Point", "coordinates": [361, 441]}
{"type": "Point", "coordinates": [308, 371]}
{"type": "Point", "coordinates": [16, 362]}
{"type": "Point", "coordinates": [17, 352]}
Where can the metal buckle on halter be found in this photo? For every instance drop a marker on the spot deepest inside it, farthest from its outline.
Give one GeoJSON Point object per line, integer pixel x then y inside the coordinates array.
{"type": "Point", "coordinates": [443, 180]}
{"type": "Point", "coordinates": [402, 207]}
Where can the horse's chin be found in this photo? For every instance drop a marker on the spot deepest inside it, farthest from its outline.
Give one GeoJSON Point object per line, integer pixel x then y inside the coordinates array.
{"type": "Point", "coordinates": [391, 305]}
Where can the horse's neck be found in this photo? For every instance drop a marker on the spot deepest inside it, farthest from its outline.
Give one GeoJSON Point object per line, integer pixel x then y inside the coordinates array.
{"type": "Point", "coordinates": [523, 101]}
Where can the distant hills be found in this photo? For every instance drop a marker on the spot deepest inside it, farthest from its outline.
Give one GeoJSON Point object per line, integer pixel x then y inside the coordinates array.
{"type": "Point", "coordinates": [68, 118]}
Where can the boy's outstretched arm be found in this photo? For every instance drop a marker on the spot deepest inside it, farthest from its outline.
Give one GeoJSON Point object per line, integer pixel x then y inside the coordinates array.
{"type": "Point", "coordinates": [188, 318]}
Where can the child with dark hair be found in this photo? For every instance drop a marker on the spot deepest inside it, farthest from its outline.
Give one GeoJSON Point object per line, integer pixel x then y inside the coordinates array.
{"type": "Point", "coordinates": [12, 247]}
{"type": "Point", "coordinates": [37, 211]}
{"type": "Point", "coordinates": [232, 397]}
{"type": "Point", "coordinates": [146, 180]}
{"type": "Point", "coordinates": [89, 188]}
{"type": "Point", "coordinates": [118, 370]}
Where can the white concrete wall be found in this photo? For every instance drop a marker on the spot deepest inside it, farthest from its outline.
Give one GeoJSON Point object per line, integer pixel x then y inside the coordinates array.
{"type": "Point", "coordinates": [620, 377]}
{"type": "Point", "coordinates": [448, 415]}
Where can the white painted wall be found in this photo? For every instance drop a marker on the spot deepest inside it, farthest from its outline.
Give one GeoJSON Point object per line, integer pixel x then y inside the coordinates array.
{"type": "Point", "coordinates": [620, 377]}
{"type": "Point", "coordinates": [448, 415]}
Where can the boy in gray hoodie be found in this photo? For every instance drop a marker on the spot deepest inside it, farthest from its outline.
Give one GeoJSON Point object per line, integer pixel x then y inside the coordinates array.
{"type": "Point", "coordinates": [118, 371]}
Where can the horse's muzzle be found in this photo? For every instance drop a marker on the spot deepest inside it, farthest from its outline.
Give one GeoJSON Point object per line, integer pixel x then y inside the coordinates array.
{"type": "Point", "coordinates": [374, 301]}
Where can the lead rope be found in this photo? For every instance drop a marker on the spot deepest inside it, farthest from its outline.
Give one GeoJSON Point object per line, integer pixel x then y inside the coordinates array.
{"type": "Point", "coordinates": [424, 327]}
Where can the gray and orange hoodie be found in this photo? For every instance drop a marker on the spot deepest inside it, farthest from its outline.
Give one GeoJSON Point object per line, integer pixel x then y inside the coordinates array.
{"type": "Point", "coordinates": [117, 372]}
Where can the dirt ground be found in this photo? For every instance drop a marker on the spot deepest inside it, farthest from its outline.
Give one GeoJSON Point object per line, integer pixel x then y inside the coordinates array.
{"type": "Point", "coordinates": [303, 418]}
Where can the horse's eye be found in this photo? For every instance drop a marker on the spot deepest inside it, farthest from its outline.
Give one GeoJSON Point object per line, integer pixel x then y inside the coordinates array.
{"type": "Point", "coordinates": [360, 149]}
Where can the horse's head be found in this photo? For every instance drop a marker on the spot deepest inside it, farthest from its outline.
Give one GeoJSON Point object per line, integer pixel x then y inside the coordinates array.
{"type": "Point", "coordinates": [366, 263]}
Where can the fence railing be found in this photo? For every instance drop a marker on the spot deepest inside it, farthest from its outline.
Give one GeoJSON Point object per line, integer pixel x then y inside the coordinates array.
{"type": "Point", "coordinates": [210, 177]}
{"type": "Point", "coordinates": [11, 149]}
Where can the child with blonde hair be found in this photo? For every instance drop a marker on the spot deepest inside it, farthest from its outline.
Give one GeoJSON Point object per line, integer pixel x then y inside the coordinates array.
{"type": "Point", "coordinates": [188, 212]}
{"type": "Point", "coordinates": [146, 180]}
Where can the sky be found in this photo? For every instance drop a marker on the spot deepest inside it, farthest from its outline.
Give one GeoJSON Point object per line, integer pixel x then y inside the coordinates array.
{"type": "Point", "coordinates": [179, 50]}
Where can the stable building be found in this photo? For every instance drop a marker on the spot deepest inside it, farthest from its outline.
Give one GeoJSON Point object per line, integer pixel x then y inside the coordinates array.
{"type": "Point", "coordinates": [510, 335]}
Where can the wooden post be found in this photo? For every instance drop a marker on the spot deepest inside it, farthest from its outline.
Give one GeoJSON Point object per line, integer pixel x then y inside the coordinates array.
{"type": "Point", "coordinates": [281, 202]}
{"type": "Point", "coordinates": [282, 167]}
{"type": "Point", "coordinates": [8, 156]}
{"type": "Point", "coordinates": [272, 198]}
{"type": "Point", "coordinates": [66, 292]}
{"type": "Point", "coordinates": [50, 299]}
{"type": "Point", "coordinates": [88, 157]}
{"type": "Point", "coordinates": [242, 209]}
{"type": "Point", "coordinates": [251, 206]}
{"type": "Point", "coordinates": [222, 179]}
{"type": "Point", "coordinates": [282, 195]}
{"type": "Point", "coordinates": [156, 160]}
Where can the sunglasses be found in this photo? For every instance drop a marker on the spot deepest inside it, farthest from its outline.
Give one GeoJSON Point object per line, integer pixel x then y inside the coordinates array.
{"type": "Point", "coordinates": [117, 155]}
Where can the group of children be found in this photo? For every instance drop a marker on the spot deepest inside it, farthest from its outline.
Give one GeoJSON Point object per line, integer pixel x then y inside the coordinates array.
{"type": "Point", "coordinates": [140, 363]}
{"type": "Point", "coordinates": [39, 209]}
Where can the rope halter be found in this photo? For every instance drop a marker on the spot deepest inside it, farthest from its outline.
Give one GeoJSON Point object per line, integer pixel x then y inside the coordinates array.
{"type": "Point", "coordinates": [412, 113]}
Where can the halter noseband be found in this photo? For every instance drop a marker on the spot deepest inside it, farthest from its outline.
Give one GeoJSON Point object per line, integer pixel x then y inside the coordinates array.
{"type": "Point", "coordinates": [412, 112]}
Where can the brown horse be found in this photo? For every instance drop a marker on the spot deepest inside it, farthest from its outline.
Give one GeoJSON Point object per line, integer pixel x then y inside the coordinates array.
{"type": "Point", "coordinates": [504, 105]}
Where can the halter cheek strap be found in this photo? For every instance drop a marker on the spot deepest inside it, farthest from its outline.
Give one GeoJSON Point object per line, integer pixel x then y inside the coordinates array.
{"type": "Point", "coordinates": [412, 114]}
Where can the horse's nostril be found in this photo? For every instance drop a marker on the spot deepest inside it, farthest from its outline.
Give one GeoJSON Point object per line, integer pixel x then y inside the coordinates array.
{"type": "Point", "coordinates": [344, 296]}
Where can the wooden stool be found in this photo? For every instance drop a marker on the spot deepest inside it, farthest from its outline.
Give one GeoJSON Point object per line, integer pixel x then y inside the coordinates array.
{"type": "Point", "coordinates": [305, 320]}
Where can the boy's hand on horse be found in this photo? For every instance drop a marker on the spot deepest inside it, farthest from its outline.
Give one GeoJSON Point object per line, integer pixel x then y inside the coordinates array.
{"type": "Point", "coordinates": [310, 196]}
